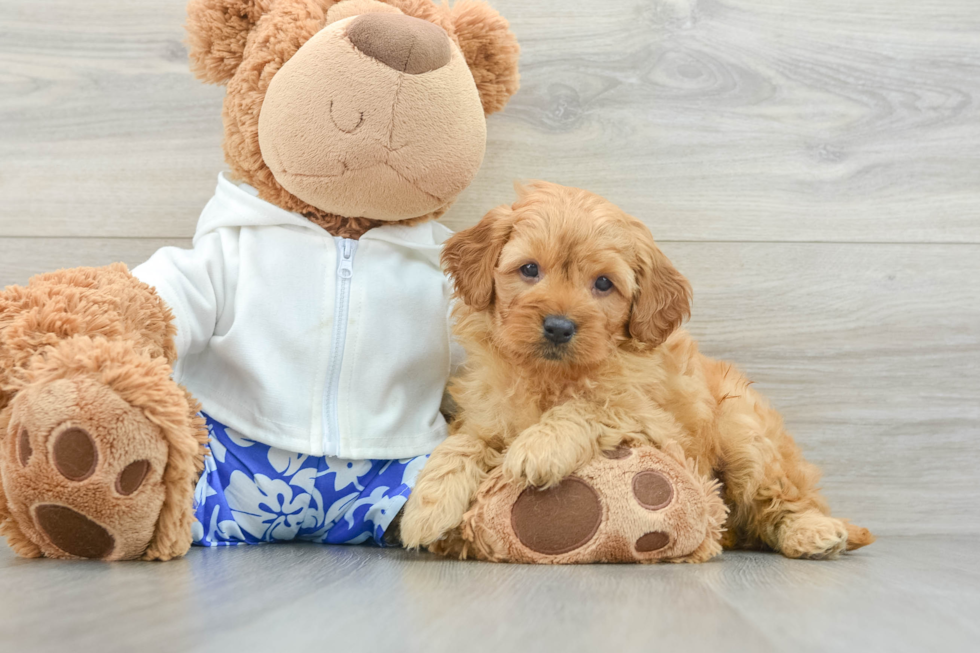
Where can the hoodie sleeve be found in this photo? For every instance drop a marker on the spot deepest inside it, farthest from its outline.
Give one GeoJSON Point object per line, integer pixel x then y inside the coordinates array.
{"type": "Point", "coordinates": [194, 283]}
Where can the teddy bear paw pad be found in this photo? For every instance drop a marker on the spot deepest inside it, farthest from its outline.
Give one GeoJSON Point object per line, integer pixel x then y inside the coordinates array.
{"type": "Point", "coordinates": [618, 453]}
{"type": "Point", "coordinates": [559, 519]}
{"type": "Point", "coordinates": [652, 490]}
{"type": "Point", "coordinates": [653, 541]}
{"type": "Point", "coordinates": [83, 472]}
{"type": "Point", "coordinates": [73, 532]}
{"type": "Point", "coordinates": [131, 477]}
{"type": "Point", "coordinates": [74, 454]}
{"type": "Point", "coordinates": [24, 449]}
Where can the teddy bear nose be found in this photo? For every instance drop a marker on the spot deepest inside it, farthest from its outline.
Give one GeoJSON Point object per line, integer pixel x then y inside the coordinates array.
{"type": "Point", "coordinates": [407, 44]}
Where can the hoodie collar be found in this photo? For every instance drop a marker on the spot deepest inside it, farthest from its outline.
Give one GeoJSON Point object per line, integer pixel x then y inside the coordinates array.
{"type": "Point", "coordinates": [238, 205]}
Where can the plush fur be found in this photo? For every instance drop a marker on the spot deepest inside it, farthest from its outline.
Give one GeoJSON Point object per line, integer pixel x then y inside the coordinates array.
{"type": "Point", "coordinates": [244, 43]}
{"type": "Point", "coordinates": [91, 348]}
{"type": "Point", "coordinates": [541, 411]}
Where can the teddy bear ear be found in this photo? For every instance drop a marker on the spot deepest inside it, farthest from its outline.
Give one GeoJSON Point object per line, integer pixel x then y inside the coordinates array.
{"type": "Point", "coordinates": [491, 51]}
{"type": "Point", "coordinates": [217, 30]}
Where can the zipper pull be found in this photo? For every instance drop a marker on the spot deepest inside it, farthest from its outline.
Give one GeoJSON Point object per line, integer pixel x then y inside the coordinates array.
{"type": "Point", "coordinates": [345, 265]}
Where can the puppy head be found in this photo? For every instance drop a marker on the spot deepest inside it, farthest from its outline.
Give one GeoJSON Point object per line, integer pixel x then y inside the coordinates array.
{"type": "Point", "coordinates": [567, 277]}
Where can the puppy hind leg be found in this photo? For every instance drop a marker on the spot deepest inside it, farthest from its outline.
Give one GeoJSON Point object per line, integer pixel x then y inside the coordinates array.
{"type": "Point", "coordinates": [772, 489]}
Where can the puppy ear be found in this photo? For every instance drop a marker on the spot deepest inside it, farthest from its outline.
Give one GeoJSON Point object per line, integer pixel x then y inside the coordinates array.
{"type": "Point", "coordinates": [216, 34]}
{"type": "Point", "coordinates": [470, 257]}
{"type": "Point", "coordinates": [490, 49]}
{"type": "Point", "coordinates": [662, 299]}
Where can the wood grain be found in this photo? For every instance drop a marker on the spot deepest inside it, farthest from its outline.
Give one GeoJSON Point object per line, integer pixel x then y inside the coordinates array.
{"type": "Point", "coordinates": [716, 119]}
{"type": "Point", "coordinates": [757, 120]}
{"type": "Point", "coordinates": [901, 595]}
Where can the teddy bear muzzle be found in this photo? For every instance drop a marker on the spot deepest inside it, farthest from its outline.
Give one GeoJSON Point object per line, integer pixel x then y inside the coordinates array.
{"type": "Point", "coordinates": [376, 116]}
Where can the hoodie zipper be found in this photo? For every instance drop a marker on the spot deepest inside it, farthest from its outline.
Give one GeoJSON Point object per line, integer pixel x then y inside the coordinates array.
{"type": "Point", "coordinates": [331, 395]}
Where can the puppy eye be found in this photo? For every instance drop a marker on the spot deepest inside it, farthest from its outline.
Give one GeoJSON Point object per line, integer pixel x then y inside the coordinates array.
{"type": "Point", "coordinates": [529, 270]}
{"type": "Point", "coordinates": [603, 284]}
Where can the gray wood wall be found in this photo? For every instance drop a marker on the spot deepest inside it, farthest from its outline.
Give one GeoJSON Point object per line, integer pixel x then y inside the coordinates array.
{"type": "Point", "coordinates": [812, 165]}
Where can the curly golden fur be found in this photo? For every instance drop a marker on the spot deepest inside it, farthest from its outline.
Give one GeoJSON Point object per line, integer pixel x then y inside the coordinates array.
{"type": "Point", "coordinates": [542, 410]}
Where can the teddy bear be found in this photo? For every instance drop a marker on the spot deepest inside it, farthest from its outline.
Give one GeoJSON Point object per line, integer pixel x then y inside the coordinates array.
{"type": "Point", "coordinates": [283, 378]}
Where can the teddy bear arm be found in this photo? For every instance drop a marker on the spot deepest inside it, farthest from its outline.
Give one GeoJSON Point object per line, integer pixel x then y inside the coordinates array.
{"type": "Point", "coordinates": [87, 361]}
{"type": "Point", "coordinates": [637, 504]}
{"type": "Point", "coordinates": [105, 302]}
{"type": "Point", "coordinates": [194, 285]}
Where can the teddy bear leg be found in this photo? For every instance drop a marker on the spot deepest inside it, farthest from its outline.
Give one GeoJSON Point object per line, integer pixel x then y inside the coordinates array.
{"type": "Point", "coordinates": [631, 505]}
{"type": "Point", "coordinates": [86, 474]}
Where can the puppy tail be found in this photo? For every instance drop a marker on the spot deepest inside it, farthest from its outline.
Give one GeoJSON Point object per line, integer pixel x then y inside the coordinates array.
{"type": "Point", "coordinates": [858, 537]}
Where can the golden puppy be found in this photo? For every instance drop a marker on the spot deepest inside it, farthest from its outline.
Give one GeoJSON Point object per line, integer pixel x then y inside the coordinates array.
{"type": "Point", "coordinates": [569, 312]}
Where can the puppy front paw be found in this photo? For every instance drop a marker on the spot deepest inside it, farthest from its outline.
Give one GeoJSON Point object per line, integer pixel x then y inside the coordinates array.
{"type": "Point", "coordinates": [812, 535]}
{"type": "Point", "coordinates": [425, 521]}
{"type": "Point", "coordinates": [528, 462]}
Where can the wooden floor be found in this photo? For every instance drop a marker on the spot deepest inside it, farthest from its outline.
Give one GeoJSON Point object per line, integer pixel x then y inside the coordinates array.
{"type": "Point", "coordinates": [903, 594]}
{"type": "Point", "coordinates": [812, 165]}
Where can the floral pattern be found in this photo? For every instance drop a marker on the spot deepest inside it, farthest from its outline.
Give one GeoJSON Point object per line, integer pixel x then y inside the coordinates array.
{"type": "Point", "coordinates": [250, 492]}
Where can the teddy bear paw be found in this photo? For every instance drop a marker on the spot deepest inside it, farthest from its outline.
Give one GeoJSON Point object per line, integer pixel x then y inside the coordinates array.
{"type": "Point", "coordinates": [82, 471]}
{"type": "Point", "coordinates": [631, 505]}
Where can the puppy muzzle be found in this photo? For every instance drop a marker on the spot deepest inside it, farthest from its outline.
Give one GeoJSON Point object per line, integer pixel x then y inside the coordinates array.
{"type": "Point", "coordinates": [557, 332]}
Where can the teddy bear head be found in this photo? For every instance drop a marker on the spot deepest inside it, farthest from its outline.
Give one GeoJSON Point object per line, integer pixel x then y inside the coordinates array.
{"type": "Point", "coordinates": [355, 113]}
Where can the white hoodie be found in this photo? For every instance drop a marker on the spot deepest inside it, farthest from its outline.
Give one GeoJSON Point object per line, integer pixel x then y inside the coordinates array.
{"type": "Point", "coordinates": [307, 342]}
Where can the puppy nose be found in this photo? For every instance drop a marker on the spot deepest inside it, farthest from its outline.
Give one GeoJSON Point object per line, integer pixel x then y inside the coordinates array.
{"type": "Point", "coordinates": [558, 329]}
{"type": "Point", "coordinates": [407, 44]}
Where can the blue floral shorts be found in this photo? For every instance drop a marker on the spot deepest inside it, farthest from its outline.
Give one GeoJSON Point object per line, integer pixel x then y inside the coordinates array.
{"type": "Point", "coordinates": [251, 492]}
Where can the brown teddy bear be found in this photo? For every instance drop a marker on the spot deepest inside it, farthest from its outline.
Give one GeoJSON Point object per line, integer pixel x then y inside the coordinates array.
{"type": "Point", "coordinates": [309, 323]}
